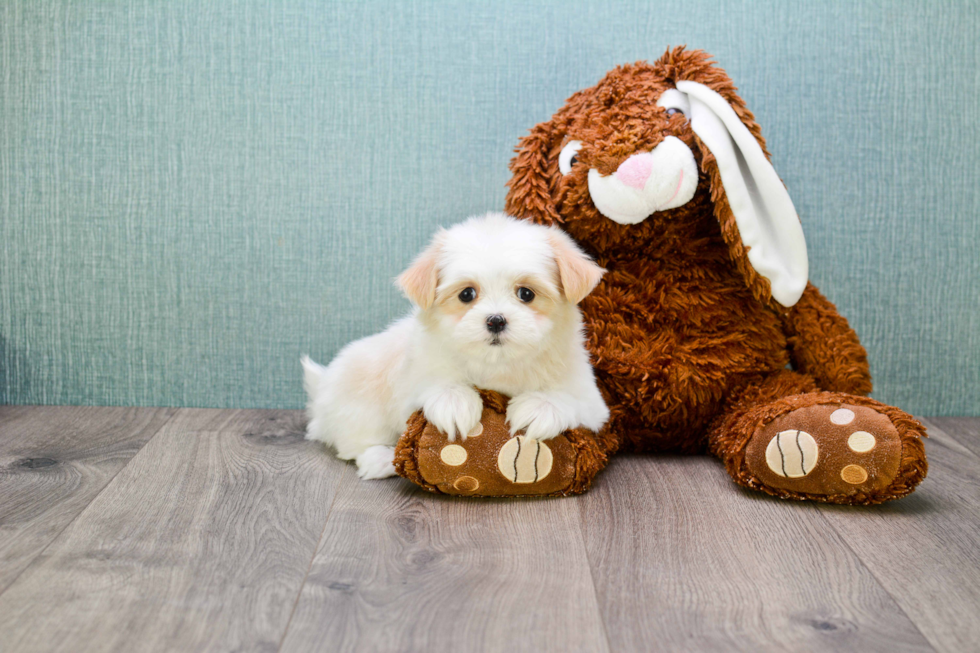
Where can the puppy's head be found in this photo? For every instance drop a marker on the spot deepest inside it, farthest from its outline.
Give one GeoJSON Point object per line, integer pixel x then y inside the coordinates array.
{"type": "Point", "coordinates": [496, 287]}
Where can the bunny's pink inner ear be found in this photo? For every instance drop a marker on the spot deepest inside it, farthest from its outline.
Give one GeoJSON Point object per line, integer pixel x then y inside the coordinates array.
{"type": "Point", "coordinates": [419, 281]}
{"type": "Point", "coordinates": [578, 273]}
{"type": "Point", "coordinates": [529, 194]}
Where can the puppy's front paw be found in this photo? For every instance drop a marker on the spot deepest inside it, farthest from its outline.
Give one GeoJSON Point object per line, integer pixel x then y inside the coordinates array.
{"type": "Point", "coordinates": [376, 462]}
{"type": "Point", "coordinates": [543, 415]}
{"type": "Point", "coordinates": [453, 409]}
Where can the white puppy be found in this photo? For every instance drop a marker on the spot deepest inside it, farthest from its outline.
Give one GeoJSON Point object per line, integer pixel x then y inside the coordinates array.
{"type": "Point", "coordinates": [496, 309]}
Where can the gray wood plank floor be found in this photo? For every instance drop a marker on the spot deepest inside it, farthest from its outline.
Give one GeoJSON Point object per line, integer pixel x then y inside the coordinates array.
{"type": "Point", "coordinates": [125, 529]}
{"type": "Point", "coordinates": [53, 461]}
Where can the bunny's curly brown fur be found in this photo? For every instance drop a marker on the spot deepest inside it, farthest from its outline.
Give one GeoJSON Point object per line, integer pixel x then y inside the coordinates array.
{"type": "Point", "coordinates": [682, 329]}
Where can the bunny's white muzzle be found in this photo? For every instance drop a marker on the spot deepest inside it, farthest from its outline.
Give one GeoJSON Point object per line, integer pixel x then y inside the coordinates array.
{"type": "Point", "coordinates": [646, 182]}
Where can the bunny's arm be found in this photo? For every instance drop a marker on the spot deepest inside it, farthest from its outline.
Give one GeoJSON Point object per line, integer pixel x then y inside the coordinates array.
{"type": "Point", "coordinates": [823, 345]}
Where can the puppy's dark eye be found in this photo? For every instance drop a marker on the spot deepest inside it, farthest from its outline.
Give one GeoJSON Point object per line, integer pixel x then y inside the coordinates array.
{"type": "Point", "coordinates": [671, 111]}
{"type": "Point", "coordinates": [467, 295]}
{"type": "Point", "coordinates": [526, 295]}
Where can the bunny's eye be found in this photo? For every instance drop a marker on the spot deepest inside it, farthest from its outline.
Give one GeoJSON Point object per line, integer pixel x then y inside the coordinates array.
{"type": "Point", "coordinates": [569, 156]}
{"type": "Point", "coordinates": [674, 102]}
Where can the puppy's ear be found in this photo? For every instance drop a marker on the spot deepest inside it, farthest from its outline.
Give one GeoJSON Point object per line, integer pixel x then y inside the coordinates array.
{"type": "Point", "coordinates": [420, 280]}
{"type": "Point", "coordinates": [578, 273]}
{"type": "Point", "coordinates": [536, 164]}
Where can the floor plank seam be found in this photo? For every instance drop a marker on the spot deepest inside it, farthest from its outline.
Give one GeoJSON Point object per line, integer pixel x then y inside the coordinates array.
{"type": "Point", "coordinates": [930, 425]}
{"type": "Point", "coordinates": [316, 550]}
{"type": "Point", "coordinates": [588, 559]}
{"type": "Point", "coordinates": [54, 539]}
{"type": "Point", "coordinates": [870, 571]}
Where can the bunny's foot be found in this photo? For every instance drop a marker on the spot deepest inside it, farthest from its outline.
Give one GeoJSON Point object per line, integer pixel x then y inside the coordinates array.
{"type": "Point", "coordinates": [492, 463]}
{"type": "Point", "coordinates": [826, 450]}
{"type": "Point", "coordinates": [829, 447]}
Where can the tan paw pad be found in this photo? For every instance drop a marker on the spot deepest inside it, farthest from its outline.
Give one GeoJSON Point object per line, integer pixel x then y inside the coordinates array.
{"type": "Point", "coordinates": [466, 484]}
{"type": "Point", "coordinates": [523, 460]}
{"type": "Point", "coordinates": [854, 474]}
{"type": "Point", "coordinates": [792, 454]}
{"type": "Point", "coordinates": [861, 441]}
{"type": "Point", "coordinates": [842, 416]}
{"type": "Point", "coordinates": [453, 455]}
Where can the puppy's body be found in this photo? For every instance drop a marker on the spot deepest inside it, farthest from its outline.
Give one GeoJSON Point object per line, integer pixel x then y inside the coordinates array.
{"type": "Point", "coordinates": [527, 345]}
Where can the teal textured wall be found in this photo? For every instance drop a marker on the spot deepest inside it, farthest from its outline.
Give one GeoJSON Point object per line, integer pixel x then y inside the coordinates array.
{"type": "Point", "coordinates": [193, 194]}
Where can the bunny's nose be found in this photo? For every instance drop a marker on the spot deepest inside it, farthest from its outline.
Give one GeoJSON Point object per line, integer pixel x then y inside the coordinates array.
{"type": "Point", "coordinates": [635, 170]}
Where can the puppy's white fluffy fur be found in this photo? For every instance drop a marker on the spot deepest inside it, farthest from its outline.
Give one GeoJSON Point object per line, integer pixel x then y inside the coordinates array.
{"type": "Point", "coordinates": [434, 358]}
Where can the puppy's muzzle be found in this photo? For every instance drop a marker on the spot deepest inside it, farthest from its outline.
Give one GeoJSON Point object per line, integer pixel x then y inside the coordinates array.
{"type": "Point", "coordinates": [496, 323]}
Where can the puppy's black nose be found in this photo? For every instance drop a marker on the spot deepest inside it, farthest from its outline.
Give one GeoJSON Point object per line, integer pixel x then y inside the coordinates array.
{"type": "Point", "coordinates": [496, 323]}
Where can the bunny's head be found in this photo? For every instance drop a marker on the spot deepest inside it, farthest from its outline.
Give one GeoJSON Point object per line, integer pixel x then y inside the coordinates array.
{"type": "Point", "coordinates": [663, 152]}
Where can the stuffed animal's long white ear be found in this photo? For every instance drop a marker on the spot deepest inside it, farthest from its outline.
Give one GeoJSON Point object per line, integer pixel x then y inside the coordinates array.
{"type": "Point", "coordinates": [764, 213]}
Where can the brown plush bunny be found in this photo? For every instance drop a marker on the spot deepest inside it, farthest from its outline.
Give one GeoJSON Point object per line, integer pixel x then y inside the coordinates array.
{"type": "Point", "coordinates": [705, 332]}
